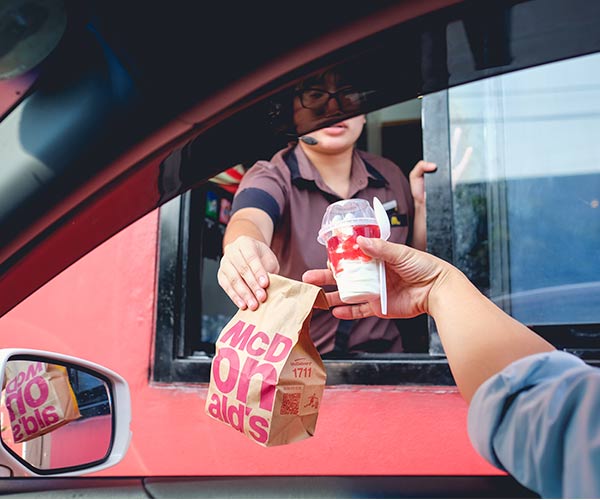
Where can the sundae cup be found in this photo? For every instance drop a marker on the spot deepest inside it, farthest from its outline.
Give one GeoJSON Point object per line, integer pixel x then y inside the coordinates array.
{"type": "Point", "coordinates": [356, 274]}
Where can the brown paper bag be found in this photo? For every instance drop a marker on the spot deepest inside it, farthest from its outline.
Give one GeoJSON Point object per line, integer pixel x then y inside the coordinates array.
{"type": "Point", "coordinates": [39, 398]}
{"type": "Point", "coordinates": [267, 377]}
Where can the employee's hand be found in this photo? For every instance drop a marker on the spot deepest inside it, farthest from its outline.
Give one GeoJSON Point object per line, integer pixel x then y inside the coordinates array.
{"type": "Point", "coordinates": [417, 180]}
{"type": "Point", "coordinates": [243, 272]}
{"type": "Point", "coordinates": [412, 276]}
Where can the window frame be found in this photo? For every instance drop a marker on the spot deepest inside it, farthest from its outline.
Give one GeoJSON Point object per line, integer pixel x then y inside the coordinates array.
{"type": "Point", "coordinates": [174, 363]}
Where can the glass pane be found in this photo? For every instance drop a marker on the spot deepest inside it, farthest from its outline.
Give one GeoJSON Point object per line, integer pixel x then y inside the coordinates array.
{"type": "Point", "coordinates": [525, 160]}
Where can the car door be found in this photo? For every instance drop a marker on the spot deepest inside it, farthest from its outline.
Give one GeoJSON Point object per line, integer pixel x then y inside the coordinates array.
{"type": "Point", "coordinates": [110, 188]}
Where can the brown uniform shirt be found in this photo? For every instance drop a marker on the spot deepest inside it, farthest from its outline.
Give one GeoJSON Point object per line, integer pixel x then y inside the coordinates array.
{"type": "Point", "coordinates": [290, 189]}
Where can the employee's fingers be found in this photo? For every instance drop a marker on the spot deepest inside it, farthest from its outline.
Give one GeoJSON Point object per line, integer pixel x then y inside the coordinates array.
{"type": "Point", "coordinates": [243, 274]}
{"type": "Point", "coordinates": [421, 168]}
{"type": "Point", "coordinates": [232, 281]}
{"type": "Point", "coordinates": [269, 261]}
{"type": "Point", "coordinates": [251, 268]}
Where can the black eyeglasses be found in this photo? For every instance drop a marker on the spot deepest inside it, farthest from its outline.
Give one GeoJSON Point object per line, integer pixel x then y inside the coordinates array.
{"type": "Point", "coordinates": [348, 99]}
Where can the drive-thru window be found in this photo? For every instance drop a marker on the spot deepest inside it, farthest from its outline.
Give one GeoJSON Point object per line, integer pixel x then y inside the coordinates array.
{"type": "Point", "coordinates": [508, 109]}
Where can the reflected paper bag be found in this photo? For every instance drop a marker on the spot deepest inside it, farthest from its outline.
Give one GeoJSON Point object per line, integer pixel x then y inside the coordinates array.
{"type": "Point", "coordinates": [267, 377]}
{"type": "Point", "coordinates": [39, 398]}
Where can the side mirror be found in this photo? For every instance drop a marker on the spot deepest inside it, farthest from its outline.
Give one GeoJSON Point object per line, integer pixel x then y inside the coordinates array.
{"type": "Point", "coordinates": [60, 415]}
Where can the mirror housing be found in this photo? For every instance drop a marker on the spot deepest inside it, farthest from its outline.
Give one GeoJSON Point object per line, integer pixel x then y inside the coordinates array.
{"type": "Point", "coordinates": [60, 415]}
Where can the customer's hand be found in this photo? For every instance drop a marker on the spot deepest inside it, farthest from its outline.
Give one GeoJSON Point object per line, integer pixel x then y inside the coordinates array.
{"type": "Point", "coordinates": [412, 277]}
{"type": "Point", "coordinates": [243, 272]}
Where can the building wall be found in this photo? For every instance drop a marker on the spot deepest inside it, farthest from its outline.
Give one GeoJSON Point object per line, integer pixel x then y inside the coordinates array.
{"type": "Point", "coordinates": [102, 309]}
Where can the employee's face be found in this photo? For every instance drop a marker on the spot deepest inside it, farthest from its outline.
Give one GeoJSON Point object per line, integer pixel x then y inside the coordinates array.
{"type": "Point", "coordinates": [322, 102]}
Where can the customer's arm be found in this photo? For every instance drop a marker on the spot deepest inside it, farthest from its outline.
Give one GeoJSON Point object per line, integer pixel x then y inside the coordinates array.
{"type": "Point", "coordinates": [533, 410]}
{"type": "Point", "coordinates": [478, 337]}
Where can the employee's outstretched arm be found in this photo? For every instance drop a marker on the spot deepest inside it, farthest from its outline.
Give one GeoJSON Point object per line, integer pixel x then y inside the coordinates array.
{"type": "Point", "coordinates": [478, 337]}
{"type": "Point", "coordinates": [247, 258]}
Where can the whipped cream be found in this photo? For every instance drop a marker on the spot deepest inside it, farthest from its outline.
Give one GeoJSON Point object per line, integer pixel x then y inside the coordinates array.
{"type": "Point", "coordinates": [358, 281]}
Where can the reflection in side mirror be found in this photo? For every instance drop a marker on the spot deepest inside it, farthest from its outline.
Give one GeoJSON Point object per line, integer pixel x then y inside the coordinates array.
{"type": "Point", "coordinates": [55, 417]}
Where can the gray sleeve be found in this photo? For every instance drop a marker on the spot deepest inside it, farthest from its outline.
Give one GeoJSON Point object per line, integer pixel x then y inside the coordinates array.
{"type": "Point", "coordinates": [537, 419]}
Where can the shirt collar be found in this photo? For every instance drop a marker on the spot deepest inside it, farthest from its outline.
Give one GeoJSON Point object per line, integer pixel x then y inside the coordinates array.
{"type": "Point", "coordinates": [304, 173]}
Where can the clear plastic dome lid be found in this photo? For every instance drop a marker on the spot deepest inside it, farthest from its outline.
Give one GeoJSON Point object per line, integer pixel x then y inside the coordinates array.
{"type": "Point", "coordinates": [345, 213]}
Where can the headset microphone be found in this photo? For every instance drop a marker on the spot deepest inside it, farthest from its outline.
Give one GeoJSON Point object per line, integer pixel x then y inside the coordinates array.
{"type": "Point", "coordinates": [307, 139]}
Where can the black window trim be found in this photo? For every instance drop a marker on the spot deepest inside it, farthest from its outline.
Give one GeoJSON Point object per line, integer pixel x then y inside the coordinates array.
{"type": "Point", "coordinates": [440, 220]}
